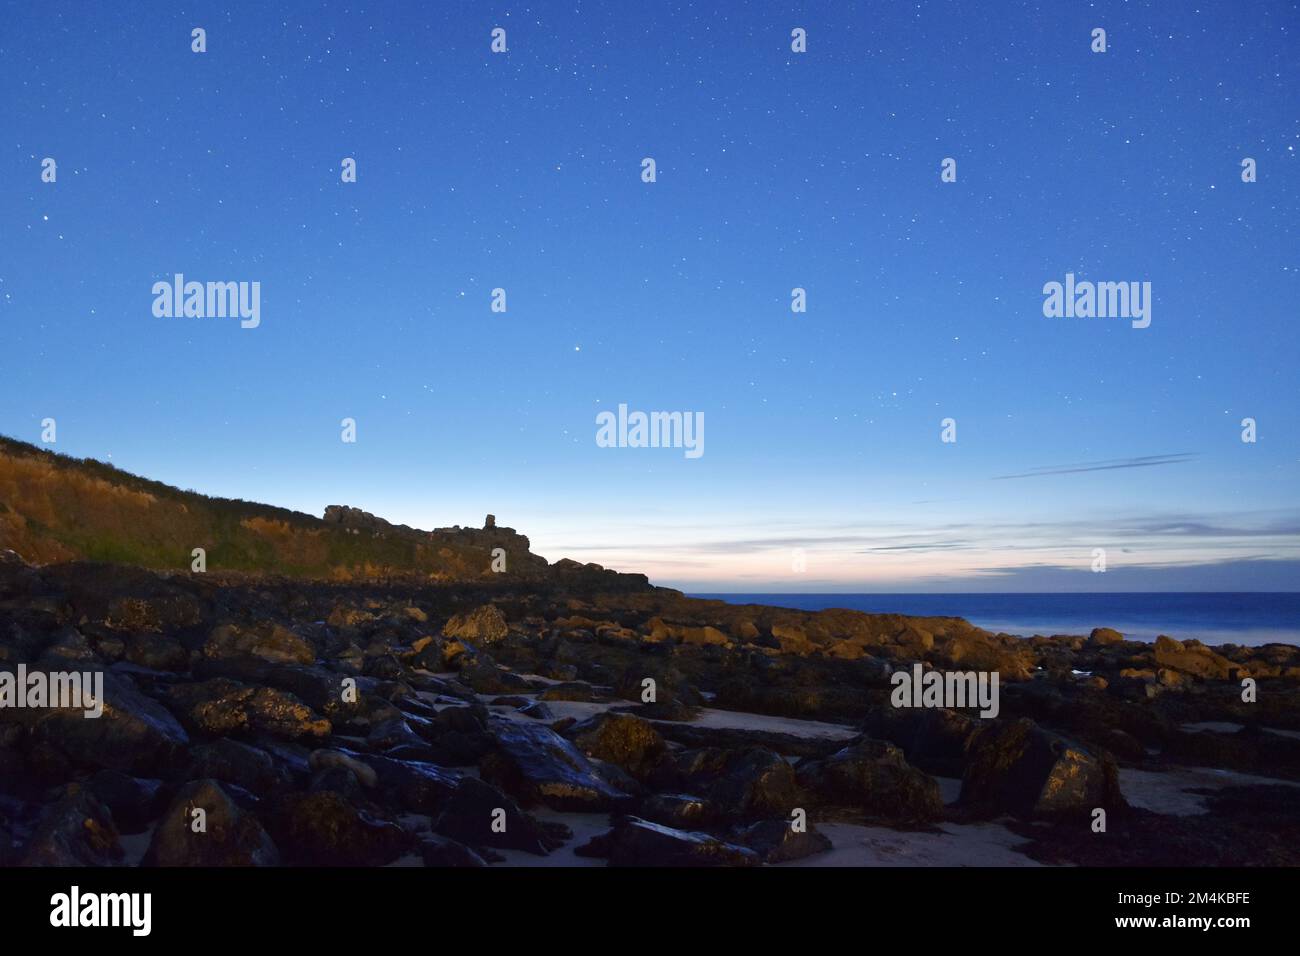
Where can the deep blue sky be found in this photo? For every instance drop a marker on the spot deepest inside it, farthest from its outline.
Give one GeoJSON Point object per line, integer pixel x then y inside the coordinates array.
{"type": "Point", "coordinates": [775, 170]}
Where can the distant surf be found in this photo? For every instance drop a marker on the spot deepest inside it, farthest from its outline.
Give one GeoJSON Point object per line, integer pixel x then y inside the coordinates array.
{"type": "Point", "coordinates": [1248, 618]}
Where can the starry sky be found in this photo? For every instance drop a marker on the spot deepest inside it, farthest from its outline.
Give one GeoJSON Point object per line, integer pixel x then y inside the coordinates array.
{"type": "Point", "coordinates": [775, 170]}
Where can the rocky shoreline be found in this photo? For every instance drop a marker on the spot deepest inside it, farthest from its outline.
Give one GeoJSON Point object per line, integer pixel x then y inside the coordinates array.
{"type": "Point", "coordinates": [475, 724]}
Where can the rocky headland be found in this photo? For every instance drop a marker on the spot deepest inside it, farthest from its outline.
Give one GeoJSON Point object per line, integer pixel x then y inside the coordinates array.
{"type": "Point", "coordinates": [563, 714]}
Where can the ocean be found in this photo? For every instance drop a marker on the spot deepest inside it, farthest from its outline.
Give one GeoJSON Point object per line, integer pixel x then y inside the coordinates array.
{"type": "Point", "coordinates": [1248, 618]}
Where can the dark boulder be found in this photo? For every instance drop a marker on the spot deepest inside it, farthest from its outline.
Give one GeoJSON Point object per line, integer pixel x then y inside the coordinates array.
{"type": "Point", "coordinates": [327, 829]}
{"type": "Point", "coordinates": [133, 801]}
{"type": "Point", "coordinates": [480, 815]}
{"type": "Point", "coordinates": [874, 777]}
{"type": "Point", "coordinates": [157, 652]}
{"type": "Point", "coordinates": [680, 810]}
{"type": "Point", "coordinates": [223, 834]}
{"type": "Point", "coordinates": [134, 734]}
{"type": "Point", "coordinates": [1019, 768]}
{"type": "Point", "coordinates": [221, 706]}
{"type": "Point", "coordinates": [933, 739]}
{"type": "Point", "coordinates": [621, 739]}
{"type": "Point", "coordinates": [537, 765]}
{"type": "Point", "coordinates": [776, 841]}
{"type": "Point", "coordinates": [637, 842]}
{"type": "Point", "coordinates": [241, 764]}
{"type": "Point", "coordinates": [747, 784]}
{"type": "Point", "coordinates": [77, 830]}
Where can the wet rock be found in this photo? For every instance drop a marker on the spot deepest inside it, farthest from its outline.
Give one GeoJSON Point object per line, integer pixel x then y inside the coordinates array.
{"type": "Point", "coordinates": [458, 737]}
{"type": "Point", "coordinates": [679, 810]}
{"type": "Point", "coordinates": [669, 709]}
{"type": "Point", "coordinates": [1019, 768]}
{"type": "Point", "coordinates": [383, 667]}
{"type": "Point", "coordinates": [621, 739]}
{"type": "Point", "coordinates": [745, 784]}
{"type": "Point", "coordinates": [77, 830]}
{"type": "Point", "coordinates": [69, 649]}
{"type": "Point", "coordinates": [222, 835]}
{"type": "Point", "coordinates": [346, 616]}
{"type": "Point", "coordinates": [873, 776]}
{"type": "Point", "coordinates": [933, 739]}
{"type": "Point", "coordinates": [134, 734]}
{"type": "Point", "coordinates": [339, 780]}
{"type": "Point", "coordinates": [539, 766]}
{"type": "Point", "coordinates": [157, 652]}
{"type": "Point", "coordinates": [485, 678]}
{"type": "Point", "coordinates": [360, 771]}
{"type": "Point", "coordinates": [571, 690]}
{"type": "Point", "coordinates": [443, 852]}
{"type": "Point", "coordinates": [480, 815]}
{"type": "Point", "coordinates": [537, 710]}
{"type": "Point", "coordinates": [173, 611]}
{"type": "Point", "coordinates": [557, 671]}
{"type": "Point", "coordinates": [267, 642]}
{"type": "Point", "coordinates": [221, 706]}
{"type": "Point", "coordinates": [426, 653]}
{"type": "Point", "coordinates": [326, 829]}
{"type": "Point", "coordinates": [637, 842]}
{"type": "Point", "coordinates": [738, 738]}
{"type": "Point", "coordinates": [414, 786]}
{"type": "Point", "coordinates": [319, 688]}
{"type": "Point", "coordinates": [387, 736]}
{"type": "Point", "coordinates": [245, 766]}
{"type": "Point", "coordinates": [776, 841]}
{"type": "Point", "coordinates": [133, 801]}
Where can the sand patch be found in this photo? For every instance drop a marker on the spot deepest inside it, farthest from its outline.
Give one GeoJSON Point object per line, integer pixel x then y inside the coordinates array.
{"type": "Point", "coordinates": [973, 844]}
{"type": "Point", "coordinates": [1165, 791]}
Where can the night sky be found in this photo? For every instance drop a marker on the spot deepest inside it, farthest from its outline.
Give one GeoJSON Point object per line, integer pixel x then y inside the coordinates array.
{"type": "Point", "coordinates": [775, 170]}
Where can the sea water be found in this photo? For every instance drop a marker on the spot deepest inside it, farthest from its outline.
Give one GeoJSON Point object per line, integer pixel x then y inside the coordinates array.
{"type": "Point", "coordinates": [1250, 618]}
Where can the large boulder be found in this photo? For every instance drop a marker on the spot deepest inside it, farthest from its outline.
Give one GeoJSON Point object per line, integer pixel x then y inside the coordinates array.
{"type": "Point", "coordinates": [537, 765]}
{"type": "Point", "coordinates": [777, 841]}
{"type": "Point", "coordinates": [267, 642]}
{"type": "Point", "coordinates": [222, 834]}
{"type": "Point", "coordinates": [478, 814]}
{"type": "Point", "coordinates": [1019, 768]}
{"type": "Point", "coordinates": [157, 652]}
{"type": "Point", "coordinates": [483, 625]}
{"type": "Point", "coordinates": [411, 785]}
{"type": "Point", "coordinates": [221, 706]}
{"type": "Point", "coordinates": [624, 740]}
{"type": "Point", "coordinates": [485, 678]}
{"type": "Point", "coordinates": [978, 651]}
{"type": "Point", "coordinates": [133, 801]}
{"type": "Point", "coordinates": [637, 842]}
{"type": "Point", "coordinates": [77, 830]}
{"type": "Point", "coordinates": [682, 811]}
{"type": "Point", "coordinates": [932, 738]}
{"type": "Point", "coordinates": [134, 734]}
{"type": "Point", "coordinates": [748, 784]}
{"type": "Point", "coordinates": [1104, 637]}
{"type": "Point", "coordinates": [326, 829]}
{"type": "Point", "coordinates": [1193, 657]}
{"type": "Point", "coordinates": [241, 764]}
{"type": "Point", "coordinates": [873, 776]}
